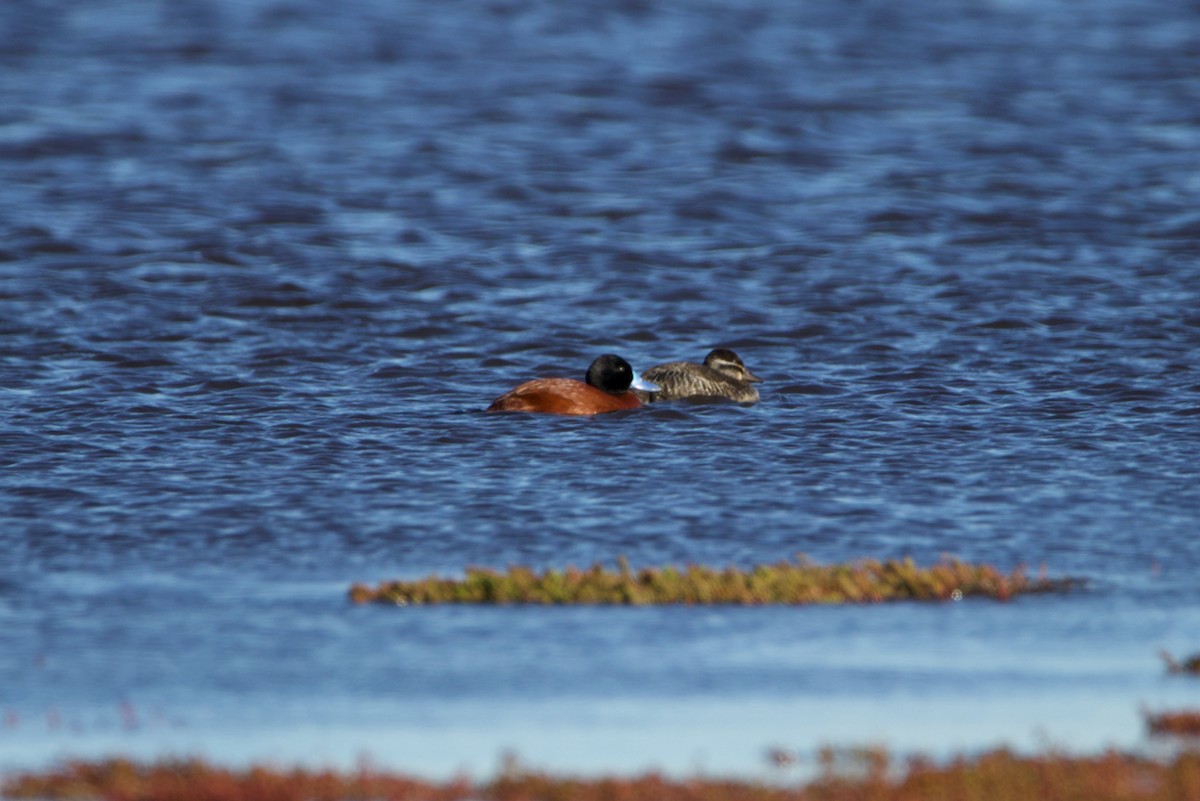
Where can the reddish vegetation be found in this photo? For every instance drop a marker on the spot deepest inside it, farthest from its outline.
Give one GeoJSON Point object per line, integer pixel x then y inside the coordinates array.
{"type": "Point", "coordinates": [1190, 665]}
{"type": "Point", "coordinates": [996, 776]}
{"type": "Point", "coordinates": [1178, 724]}
{"type": "Point", "coordinates": [194, 780]}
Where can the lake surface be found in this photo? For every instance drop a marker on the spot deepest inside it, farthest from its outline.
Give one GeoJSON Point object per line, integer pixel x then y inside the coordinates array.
{"type": "Point", "coordinates": [264, 263]}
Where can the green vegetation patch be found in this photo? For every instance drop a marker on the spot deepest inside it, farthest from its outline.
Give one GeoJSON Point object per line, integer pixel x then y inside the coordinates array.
{"type": "Point", "coordinates": [791, 583]}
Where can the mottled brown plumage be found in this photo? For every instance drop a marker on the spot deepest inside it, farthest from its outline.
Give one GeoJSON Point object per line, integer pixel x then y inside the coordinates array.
{"type": "Point", "coordinates": [723, 375]}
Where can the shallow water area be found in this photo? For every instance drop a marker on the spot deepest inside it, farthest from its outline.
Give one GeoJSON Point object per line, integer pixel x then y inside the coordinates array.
{"type": "Point", "coordinates": [264, 264]}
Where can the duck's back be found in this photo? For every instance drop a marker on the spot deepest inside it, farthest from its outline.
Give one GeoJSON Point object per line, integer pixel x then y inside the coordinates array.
{"type": "Point", "coordinates": [687, 379]}
{"type": "Point", "coordinates": [562, 396]}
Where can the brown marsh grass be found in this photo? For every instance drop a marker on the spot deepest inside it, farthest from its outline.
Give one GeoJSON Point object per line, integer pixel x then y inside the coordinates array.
{"type": "Point", "coordinates": [1190, 665]}
{"type": "Point", "coordinates": [1184, 723]}
{"type": "Point", "coordinates": [995, 776]}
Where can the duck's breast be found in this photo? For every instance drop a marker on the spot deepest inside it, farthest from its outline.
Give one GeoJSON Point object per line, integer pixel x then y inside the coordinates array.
{"type": "Point", "coordinates": [562, 396]}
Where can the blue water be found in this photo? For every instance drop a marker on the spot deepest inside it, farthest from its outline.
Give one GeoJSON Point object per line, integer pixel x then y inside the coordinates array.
{"type": "Point", "coordinates": [264, 263]}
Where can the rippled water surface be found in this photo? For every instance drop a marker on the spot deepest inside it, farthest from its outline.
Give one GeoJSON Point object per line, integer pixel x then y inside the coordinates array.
{"type": "Point", "coordinates": [264, 263]}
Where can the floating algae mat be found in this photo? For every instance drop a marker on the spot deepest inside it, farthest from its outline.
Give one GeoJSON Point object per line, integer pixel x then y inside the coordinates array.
{"type": "Point", "coordinates": [791, 583]}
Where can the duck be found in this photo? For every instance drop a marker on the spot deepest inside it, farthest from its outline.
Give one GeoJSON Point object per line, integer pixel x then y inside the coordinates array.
{"type": "Point", "coordinates": [608, 387]}
{"type": "Point", "coordinates": [723, 375]}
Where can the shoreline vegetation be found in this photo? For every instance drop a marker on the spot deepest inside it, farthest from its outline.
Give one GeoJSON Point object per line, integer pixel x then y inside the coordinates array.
{"type": "Point", "coordinates": [1182, 724]}
{"type": "Point", "coordinates": [850, 775]}
{"type": "Point", "coordinates": [1190, 665]}
{"type": "Point", "coordinates": [785, 583]}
